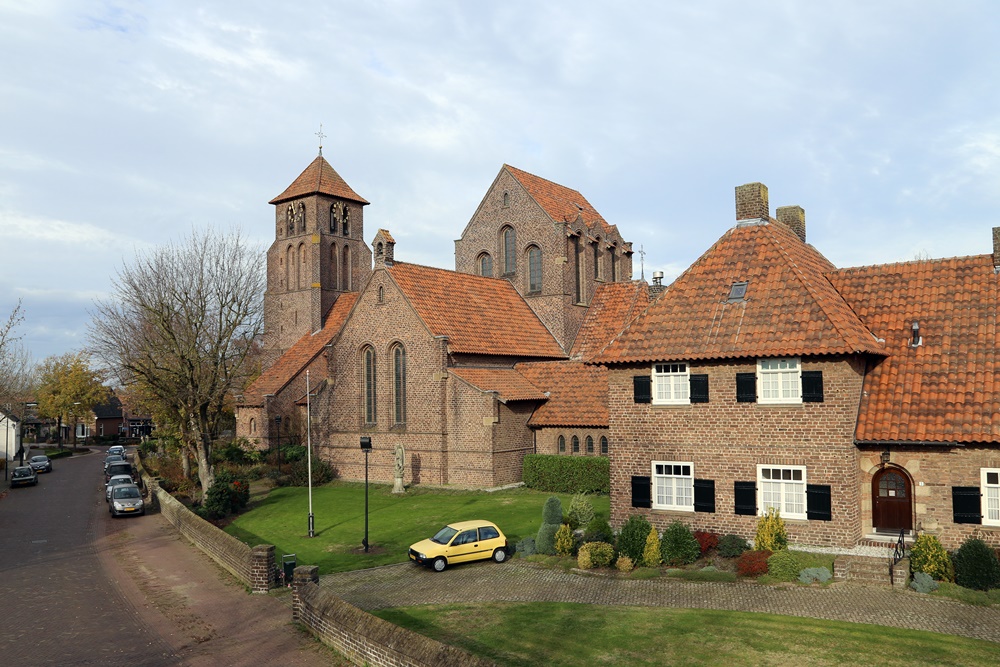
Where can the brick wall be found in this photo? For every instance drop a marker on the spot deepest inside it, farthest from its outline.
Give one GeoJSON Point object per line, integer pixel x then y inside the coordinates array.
{"type": "Point", "coordinates": [547, 440]}
{"type": "Point", "coordinates": [726, 440]}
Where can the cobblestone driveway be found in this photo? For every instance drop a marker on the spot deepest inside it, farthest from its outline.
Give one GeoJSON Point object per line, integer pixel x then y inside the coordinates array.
{"type": "Point", "coordinates": [517, 581]}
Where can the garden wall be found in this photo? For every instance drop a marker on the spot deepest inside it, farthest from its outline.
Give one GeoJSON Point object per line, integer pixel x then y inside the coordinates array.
{"type": "Point", "coordinates": [366, 639]}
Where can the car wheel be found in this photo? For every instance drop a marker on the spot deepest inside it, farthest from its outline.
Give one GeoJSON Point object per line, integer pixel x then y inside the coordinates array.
{"type": "Point", "coordinates": [500, 555]}
{"type": "Point", "coordinates": [439, 564]}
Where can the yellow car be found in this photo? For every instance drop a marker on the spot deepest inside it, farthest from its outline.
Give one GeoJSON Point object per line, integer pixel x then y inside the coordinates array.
{"type": "Point", "coordinates": [461, 542]}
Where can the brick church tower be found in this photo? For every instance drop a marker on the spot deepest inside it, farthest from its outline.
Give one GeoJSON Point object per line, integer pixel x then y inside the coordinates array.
{"type": "Point", "coordinates": [318, 254]}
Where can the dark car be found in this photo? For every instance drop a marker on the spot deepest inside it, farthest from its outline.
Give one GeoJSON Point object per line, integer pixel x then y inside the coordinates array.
{"type": "Point", "coordinates": [23, 476]}
{"type": "Point", "coordinates": [40, 463]}
{"type": "Point", "coordinates": [112, 458]}
{"type": "Point", "coordinates": [126, 499]}
{"type": "Point", "coordinates": [118, 468]}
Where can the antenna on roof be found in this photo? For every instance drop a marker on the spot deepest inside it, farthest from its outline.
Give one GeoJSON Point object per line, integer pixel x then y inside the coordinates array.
{"type": "Point", "coordinates": [642, 263]}
{"type": "Point", "coordinates": [321, 137]}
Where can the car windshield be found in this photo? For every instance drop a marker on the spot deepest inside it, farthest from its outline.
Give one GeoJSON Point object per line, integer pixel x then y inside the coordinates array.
{"type": "Point", "coordinates": [444, 535]}
{"type": "Point", "coordinates": [39, 459]}
{"type": "Point", "coordinates": [126, 492]}
{"type": "Point", "coordinates": [115, 481]}
{"type": "Point", "coordinates": [22, 472]}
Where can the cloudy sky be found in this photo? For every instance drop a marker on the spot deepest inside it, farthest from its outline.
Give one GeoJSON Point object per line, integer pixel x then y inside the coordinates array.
{"type": "Point", "coordinates": [124, 125]}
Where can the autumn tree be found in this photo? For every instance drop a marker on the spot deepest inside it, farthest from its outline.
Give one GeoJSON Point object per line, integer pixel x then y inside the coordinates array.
{"type": "Point", "coordinates": [69, 388]}
{"type": "Point", "coordinates": [15, 361]}
{"type": "Point", "coordinates": [179, 327]}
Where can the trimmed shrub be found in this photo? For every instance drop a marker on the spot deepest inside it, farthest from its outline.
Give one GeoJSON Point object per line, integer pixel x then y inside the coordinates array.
{"type": "Point", "coordinates": [624, 563]}
{"type": "Point", "coordinates": [752, 563]}
{"type": "Point", "coordinates": [923, 583]}
{"type": "Point", "coordinates": [229, 493]}
{"type": "Point", "coordinates": [525, 547]}
{"type": "Point", "coordinates": [783, 566]}
{"type": "Point", "coordinates": [651, 552]}
{"type": "Point", "coordinates": [322, 472]}
{"type": "Point", "coordinates": [583, 560]}
{"type": "Point", "coordinates": [732, 546]}
{"type": "Point", "coordinates": [707, 540]}
{"type": "Point", "coordinates": [599, 530]}
{"type": "Point", "coordinates": [771, 534]}
{"type": "Point", "coordinates": [976, 566]}
{"type": "Point", "coordinates": [929, 557]}
{"type": "Point", "coordinates": [632, 538]}
{"type": "Point", "coordinates": [552, 512]}
{"type": "Point", "coordinates": [545, 541]}
{"type": "Point", "coordinates": [581, 511]}
{"type": "Point", "coordinates": [564, 540]}
{"type": "Point", "coordinates": [679, 547]}
{"type": "Point", "coordinates": [812, 575]}
{"type": "Point", "coordinates": [601, 553]}
{"type": "Point", "coordinates": [567, 474]}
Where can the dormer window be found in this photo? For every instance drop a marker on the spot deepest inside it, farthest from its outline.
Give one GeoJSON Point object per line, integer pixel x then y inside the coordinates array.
{"type": "Point", "coordinates": [738, 292]}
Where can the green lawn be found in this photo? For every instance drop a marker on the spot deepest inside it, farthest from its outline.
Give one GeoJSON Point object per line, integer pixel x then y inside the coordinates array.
{"type": "Point", "coordinates": [394, 522]}
{"type": "Point", "coordinates": [555, 634]}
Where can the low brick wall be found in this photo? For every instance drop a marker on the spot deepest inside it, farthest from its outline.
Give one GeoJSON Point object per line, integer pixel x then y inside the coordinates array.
{"type": "Point", "coordinates": [365, 639]}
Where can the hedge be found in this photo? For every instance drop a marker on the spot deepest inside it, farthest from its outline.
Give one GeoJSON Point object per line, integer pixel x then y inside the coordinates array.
{"type": "Point", "coordinates": [567, 474]}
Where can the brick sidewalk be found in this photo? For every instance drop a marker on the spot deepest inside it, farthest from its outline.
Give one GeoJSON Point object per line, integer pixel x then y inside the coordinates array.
{"type": "Point", "coordinates": [517, 581]}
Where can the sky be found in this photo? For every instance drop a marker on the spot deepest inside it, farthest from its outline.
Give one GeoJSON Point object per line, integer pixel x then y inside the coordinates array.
{"type": "Point", "coordinates": [126, 125]}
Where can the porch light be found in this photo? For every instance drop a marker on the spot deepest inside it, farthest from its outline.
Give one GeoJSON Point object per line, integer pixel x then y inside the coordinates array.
{"type": "Point", "coordinates": [885, 456]}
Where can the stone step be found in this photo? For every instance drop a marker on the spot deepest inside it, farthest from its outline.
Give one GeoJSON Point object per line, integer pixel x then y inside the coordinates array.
{"type": "Point", "coordinates": [864, 569]}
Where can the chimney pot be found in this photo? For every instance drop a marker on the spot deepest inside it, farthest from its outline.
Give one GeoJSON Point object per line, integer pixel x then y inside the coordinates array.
{"type": "Point", "coordinates": [996, 247]}
{"type": "Point", "coordinates": [793, 217]}
{"type": "Point", "coordinates": [751, 202]}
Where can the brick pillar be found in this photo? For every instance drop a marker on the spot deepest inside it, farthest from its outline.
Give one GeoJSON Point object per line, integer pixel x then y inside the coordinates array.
{"type": "Point", "coordinates": [304, 574]}
{"type": "Point", "coordinates": [751, 202]}
{"type": "Point", "coordinates": [262, 568]}
{"type": "Point", "coordinates": [793, 217]}
{"type": "Point", "coordinates": [996, 246]}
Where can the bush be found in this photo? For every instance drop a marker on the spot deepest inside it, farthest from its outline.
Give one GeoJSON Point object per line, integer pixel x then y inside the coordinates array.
{"type": "Point", "coordinates": [564, 540]}
{"type": "Point", "coordinates": [599, 530]}
{"type": "Point", "coordinates": [581, 511]}
{"type": "Point", "coordinates": [783, 566]}
{"type": "Point", "coordinates": [525, 547]}
{"type": "Point", "coordinates": [632, 538]}
{"type": "Point", "coordinates": [732, 546]}
{"type": "Point", "coordinates": [292, 453]}
{"type": "Point", "coordinates": [601, 553]}
{"type": "Point", "coordinates": [552, 512]}
{"type": "Point", "coordinates": [624, 563]}
{"type": "Point", "coordinates": [545, 541]}
{"type": "Point", "coordinates": [238, 451]}
{"type": "Point", "coordinates": [976, 566]}
{"type": "Point", "coordinates": [706, 540]}
{"type": "Point", "coordinates": [771, 533]}
{"type": "Point", "coordinates": [651, 552]}
{"type": "Point", "coordinates": [229, 493]}
{"type": "Point", "coordinates": [679, 547]}
{"type": "Point", "coordinates": [752, 563]}
{"type": "Point", "coordinates": [923, 583]}
{"type": "Point", "coordinates": [567, 474]}
{"type": "Point", "coordinates": [812, 575]}
{"type": "Point", "coordinates": [929, 557]}
{"type": "Point", "coordinates": [322, 472]}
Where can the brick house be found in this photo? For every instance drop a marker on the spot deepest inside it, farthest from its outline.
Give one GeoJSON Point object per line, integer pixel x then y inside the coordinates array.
{"type": "Point", "coordinates": [457, 366]}
{"type": "Point", "coordinates": [859, 402]}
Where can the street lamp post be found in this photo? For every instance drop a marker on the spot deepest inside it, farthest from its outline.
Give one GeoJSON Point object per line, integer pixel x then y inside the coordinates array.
{"type": "Point", "coordinates": [6, 449]}
{"type": "Point", "coordinates": [309, 470]}
{"type": "Point", "coordinates": [366, 447]}
{"type": "Point", "coordinates": [277, 433]}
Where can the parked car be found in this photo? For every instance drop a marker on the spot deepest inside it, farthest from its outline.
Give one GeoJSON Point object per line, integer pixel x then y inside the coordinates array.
{"type": "Point", "coordinates": [126, 499]}
{"type": "Point", "coordinates": [112, 458]}
{"type": "Point", "coordinates": [23, 476]}
{"type": "Point", "coordinates": [461, 542]}
{"type": "Point", "coordinates": [40, 463]}
{"type": "Point", "coordinates": [116, 450]}
{"type": "Point", "coordinates": [115, 481]}
{"type": "Point", "coordinates": [118, 468]}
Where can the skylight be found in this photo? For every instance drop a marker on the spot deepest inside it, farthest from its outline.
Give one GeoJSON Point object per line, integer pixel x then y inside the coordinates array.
{"type": "Point", "coordinates": [738, 291]}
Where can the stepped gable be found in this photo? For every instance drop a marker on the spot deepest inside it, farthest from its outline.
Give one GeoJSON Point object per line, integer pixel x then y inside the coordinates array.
{"type": "Point", "coordinates": [578, 393]}
{"type": "Point", "coordinates": [478, 315]}
{"type": "Point", "coordinates": [507, 383]}
{"type": "Point", "coordinates": [614, 305]}
{"type": "Point", "coordinates": [947, 388]}
{"type": "Point", "coordinates": [560, 203]}
{"type": "Point", "coordinates": [319, 178]}
{"type": "Point", "coordinates": [297, 357]}
{"type": "Point", "coordinates": [790, 307]}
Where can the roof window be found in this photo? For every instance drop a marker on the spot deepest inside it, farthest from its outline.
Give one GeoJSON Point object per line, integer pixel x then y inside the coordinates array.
{"type": "Point", "coordinates": [738, 292]}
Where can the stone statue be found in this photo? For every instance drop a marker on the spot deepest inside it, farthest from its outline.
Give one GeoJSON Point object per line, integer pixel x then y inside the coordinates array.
{"type": "Point", "coordinates": [400, 463]}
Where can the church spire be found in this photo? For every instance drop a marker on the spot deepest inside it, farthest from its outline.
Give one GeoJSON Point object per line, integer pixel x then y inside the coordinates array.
{"type": "Point", "coordinates": [321, 137]}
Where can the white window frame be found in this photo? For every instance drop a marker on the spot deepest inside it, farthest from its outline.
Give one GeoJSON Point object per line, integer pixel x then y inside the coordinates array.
{"type": "Point", "coordinates": [671, 383]}
{"type": "Point", "coordinates": [787, 494]}
{"type": "Point", "coordinates": [990, 496]}
{"type": "Point", "coordinates": [670, 478]}
{"type": "Point", "coordinates": [779, 380]}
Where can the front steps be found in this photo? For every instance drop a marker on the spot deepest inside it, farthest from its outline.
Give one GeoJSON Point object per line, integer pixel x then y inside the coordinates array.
{"type": "Point", "coordinates": [871, 571]}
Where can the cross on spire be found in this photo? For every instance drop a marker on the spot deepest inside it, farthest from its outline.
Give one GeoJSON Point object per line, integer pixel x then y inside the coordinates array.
{"type": "Point", "coordinates": [642, 263]}
{"type": "Point", "coordinates": [321, 137]}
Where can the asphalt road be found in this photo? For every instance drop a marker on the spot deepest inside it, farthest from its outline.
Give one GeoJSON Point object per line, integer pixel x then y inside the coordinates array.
{"type": "Point", "coordinates": [62, 606]}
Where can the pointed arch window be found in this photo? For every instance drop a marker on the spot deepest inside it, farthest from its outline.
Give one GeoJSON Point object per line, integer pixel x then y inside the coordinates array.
{"type": "Point", "coordinates": [398, 384]}
{"type": "Point", "coordinates": [290, 219]}
{"type": "Point", "coordinates": [289, 268]}
{"type": "Point", "coordinates": [509, 238]}
{"type": "Point", "coordinates": [334, 215]}
{"type": "Point", "coordinates": [534, 269]}
{"type": "Point", "coordinates": [578, 270]}
{"type": "Point", "coordinates": [506, 199]}
{"type": "Point", "coordinates": [302, 266]}
{"type": "Point", "coordinates": [368, 384]}
{"type": "Point", "coordinates": [590, 444]}
{"type": "Point", "coordinates": [604, 444]}
{"type": "Point", "coordinates": [334, 273]}
{"type": "Point", "coordinates": [562, 444]}
{"type": "Point", "coordinates": [576, 444]}
{"type": "Point", "coordinates": [597, 259]}
{"type": "Point", "coordinates": [614, 265]}
{"type": "Point", "coordinates": [345, 228]}
{"type": "Point", "coordinates": [301, 217]}
{"type": "Point", "coordinates": [486, 265]}
{"type": "Point", "coordinates": [345, 269]}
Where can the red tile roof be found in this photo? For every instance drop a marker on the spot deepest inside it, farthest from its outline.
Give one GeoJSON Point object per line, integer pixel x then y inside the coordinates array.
{"type": "Point", "coordinates": [578, 393]}
{"type": "Point", "coordinates": [562, 204]}
{"type": "Point", "coordinates": [506, 382]}
{"type": "Point", "coordinates": [791, 309]}
{"type": "Point", "coordinates": [614, 305]}
{"type": "Point", "coordinates": [299, 355]}
{"type": "Point", "coordinates": [318, 178]}
{"type": "Point", "coordinates": [478, 315]}
{"type": "Point", "coordinates": [948, 388]}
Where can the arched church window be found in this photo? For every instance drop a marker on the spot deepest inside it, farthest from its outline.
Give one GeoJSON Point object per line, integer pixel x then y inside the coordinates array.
{"type": "Point", "coordinates": [334, 218]}
{"type": "Point", "coordinates": [381, 294]}
{"type": "Point", "coordinates": [590, 444]}
{"type": "Point", "coordinates": [486, 265]}
{"type": "Point", "coordinates": [302, 266]}
{"type": "Point", "coordinates": [253, 425]}
{"type": "Point", "coordinates": [578, 270]}
{"type": "Point", "coordinates": [534, 269]}
{"type": "Point", "coordinates": [509, 237]}
{"type": "Point", "coordinates": [300, 216]}
{"type": "Point", "coordinates": [368, 379]}
{"type": "Point", "coordinates": [597, 259]}
{"type": "Point", "coordinates": [398, 384]}
{"type": "Point", "coordinates": [614, 265]}
{"type": "Point", "coordinates": [506, 199]}
{"type": "Point", "coordinates": [289, 268]}
{"type": "Point", "coordinates": [345, 269]}
{"type": "Point", "coordinates": [346, 227]}
{"type": "Point", "coordinates": [604, 444]}
{"type": "Point", "coordinates": [290, 219]}
{"type": "Point", "coordinates": [334, 274]}
{"type": "Point", "coordinates": [562, 444]}
{"type": "Point", "coordinates": [576, 445]}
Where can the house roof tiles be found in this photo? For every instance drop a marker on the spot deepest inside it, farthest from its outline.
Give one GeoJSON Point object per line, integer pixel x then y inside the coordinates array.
{"type": "Point", "coordinates": [614, 305]}
{"type": "Point", "coordinates": [508, 384]}
{"type": "Point", "coordinates": [562, 204]}
{"type": "Point", "coordinates": [578, 393]}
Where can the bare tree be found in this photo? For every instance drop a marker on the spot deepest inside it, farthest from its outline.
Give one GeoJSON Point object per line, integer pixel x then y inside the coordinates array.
{"type": "Point", "coordinates": [16, 368]}
{"type": "Point", "coordinates": [179, 328]}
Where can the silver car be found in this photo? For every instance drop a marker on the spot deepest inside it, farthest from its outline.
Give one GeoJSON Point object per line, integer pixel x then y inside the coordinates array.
{"type": "Point", "coordinates": [115, 481]}
{"type": "Point", "coordinates": [126, 499]}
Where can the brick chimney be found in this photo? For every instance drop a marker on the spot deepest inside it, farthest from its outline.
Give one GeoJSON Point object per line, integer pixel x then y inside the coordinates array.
{"type": "Point", "coordinates": [793, 217]}
{"type": "Point", "coordinates": [383, 247]}
{"type": "Point", "coordinates": [996, 249]}
{"type": "Point", "coordinates": [751, 202]}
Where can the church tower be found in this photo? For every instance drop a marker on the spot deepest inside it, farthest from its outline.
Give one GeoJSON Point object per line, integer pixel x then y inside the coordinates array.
{"type": "Point", "coordinates": [318, 254]}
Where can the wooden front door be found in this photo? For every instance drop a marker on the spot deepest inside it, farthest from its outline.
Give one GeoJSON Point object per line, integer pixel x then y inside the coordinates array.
{"type": "Point", "coordinates": [892, 501]}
